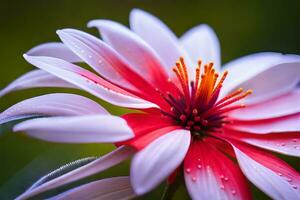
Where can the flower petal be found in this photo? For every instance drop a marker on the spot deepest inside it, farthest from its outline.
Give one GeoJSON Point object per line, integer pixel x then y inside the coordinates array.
{"type": "Point", "coordinates": [159, 37]}
{"type": "Point", "coordinates": [34, 79]}
{"type": "Point", "coordinates": [260, 67]}
{"type": "Point", "coordinates": [284, 143]}
{"type": "Point", "coordinates": [116, 188]}
{"type": "Point", "coordinates": [132, 49]}
{"type": "Point", "coordinates": [156, 162]}
{"type": "Point", "coordinates": [78, 129]}
{"type": "Point", "coordinates": [283, 124]}
{"type": "Point", "coordinates": [99, 165]}
{"type": "Point", "coordinates": [209, 174]}
{"type": "Point", "coordinates": [270, 174]}
{"type": "Point", "coordinates": [59, 104]}
{"type": "Point", "coordinates": [95, 53]}
{"type": "Point", "coordinates": [88, 81]}
{"type": "Point", "coordinates": [201, 42]}
{"type": "Point", "coordinates": [54, 49]}
{"type": "Point", "coordinates": [283, 105]}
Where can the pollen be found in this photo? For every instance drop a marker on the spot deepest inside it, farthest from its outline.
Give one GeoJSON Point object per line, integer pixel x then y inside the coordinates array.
{"type": "Point", "coordinates": [198, 106]}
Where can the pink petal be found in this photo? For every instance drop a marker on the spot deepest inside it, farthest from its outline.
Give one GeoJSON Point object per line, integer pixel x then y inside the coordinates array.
{"type": "Point", "coordinates": [58, 104]}
{"type": "Point", "coordinates": [209, 174]}
{"type": "Point", "coordinates": [88, 81]}
{"type": "Point", "coordinates": [99, 165]}
{"type": "Point", "coordinates": [201, 42]}
{"type": "Point", "coordinates": [259, 69]}
{"type": "Point", "coordinates": [283, 105]}
{"type": "Point", "coordinates": [97, 54]}
{"type": "Point", "coordinates": [132, 49]}
{"type": "Point", "coordinates": [284, 143]}
{"type": "Point", "coordinates": [78, 129]}
{"type": "Point", "coordinates": [156, 162]}
{"type": "Point", "coordinates": [270, 174]}
{"type": "Point", "coordinates": [283, 124]}
{"type": "Point", "coordinates": [116, 188]}
{"type": "Point", "coordinates": [35, 79]}
{"type": "Point", "coordinates": [159, 37]}
{"type": "Point", "coordinates": [54, 49]}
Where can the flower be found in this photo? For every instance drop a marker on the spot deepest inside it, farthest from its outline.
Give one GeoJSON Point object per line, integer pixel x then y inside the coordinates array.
{"type": "Point", "coordinates": [192, 119]}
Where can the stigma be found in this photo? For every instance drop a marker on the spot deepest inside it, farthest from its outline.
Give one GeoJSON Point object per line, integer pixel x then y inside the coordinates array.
{"type": "Point", "coordinates": [196, 105]}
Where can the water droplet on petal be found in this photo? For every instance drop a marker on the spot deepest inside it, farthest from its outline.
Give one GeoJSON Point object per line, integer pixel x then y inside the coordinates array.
{"type": "Point", "coordinates": [194, 179]}
{"type": "Point", "coordinates": [226, 179]}
{"type": "Point", "coordinates": [294, 140]}
{"type": "Point", "coordinates": [289, 180]}
{"type": "Point", "coordinates": [199, 166]}
{"type": "Point", "coordinates": [295, 187]}
{"type": "Point", "coordinates": [222, 187]}
{"type": "Point", "coordinates": [280, 174]}
{"type": "Point", "coordinates": [188, 170]}
{"type": "Point", "coordinates": [233, 192]}
{"type": "Point", "coordinates": [199, 159]}
{"type": "Point", "coordinates": [283, 144]}
{"type": "Point", "coordinates": [222, 176]}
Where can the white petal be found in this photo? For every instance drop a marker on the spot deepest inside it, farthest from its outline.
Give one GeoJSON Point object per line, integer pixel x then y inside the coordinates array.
{"type": "Point", "coordinates": [280, 106]}
{"type": "Point", "coordinates": [255, 72]}
{"type": "Point", "coordinates": [78, 129]}
{"type": "Point", "coordinates": [159, 159]}
{"type": "Point", "coordinates": [274, 184]}
{"type": "Point", "coordinates": [201, 42]}
{"type": "Point", "coordinates": [96, 53]}
{"type": "Point", "coordinates": [99, 165]}
{"type": "Point", "coordinates": [117, 188]}
{"type": "Point", "coordinates": [34, 79]}
{"type": "Point", "coordinates": [54, 49]}
{"type": "Point", "coordinates": [77, 76]}
{"type": "Point", "coordinates": [59, 104]}
{"type": "Point", "coordinates": [159, 37]}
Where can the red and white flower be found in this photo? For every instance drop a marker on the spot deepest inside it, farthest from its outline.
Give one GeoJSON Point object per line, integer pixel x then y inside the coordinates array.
{"type": "Point", "coordinates": [192, 119]}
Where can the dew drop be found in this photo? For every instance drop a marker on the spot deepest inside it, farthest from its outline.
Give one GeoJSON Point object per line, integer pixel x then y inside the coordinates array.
{"type": "Point", "coordinates": [295, 187]}
{"type": "Point", "coordinates": [233, 192]}
{"type": "Point", "coordinates": [289, 180]}
{"type": "Point", "coordinates": [194, 179]}
{"type": "Point", "coordinates": [199, 159]}
{"type": "Point", "coordinates": [283, 144]}
{"type": "Point", "coordinates": [279, 174]}
{"type": "Point", "coordinates": [294, 140]}
{"type": "Point", "coordinates": [99, 61]}
{"type": "Point", "coordinates": [222, 176]}
{"type": "Point", "coordinates": [199, 166]}
{"type": "Point", "coordinates": [89, 56]}
{"type": "Point", "coordinates": [222, 187]}
{"type": "Point", "coordinates": [226, 178]}
{"type": "Point", "coordinates": [188, 170]}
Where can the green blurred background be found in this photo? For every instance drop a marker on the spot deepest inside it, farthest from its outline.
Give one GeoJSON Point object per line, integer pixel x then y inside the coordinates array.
{"type": "Point", "coordinates": [243, 27]}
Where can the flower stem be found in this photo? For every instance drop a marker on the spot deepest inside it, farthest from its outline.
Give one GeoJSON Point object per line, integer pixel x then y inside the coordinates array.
{"type": "Point", "coordinates": [171, 188]}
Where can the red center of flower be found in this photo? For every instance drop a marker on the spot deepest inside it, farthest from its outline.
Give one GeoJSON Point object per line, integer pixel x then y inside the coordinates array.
{"type": "Point", "coordinates": [198, 107]}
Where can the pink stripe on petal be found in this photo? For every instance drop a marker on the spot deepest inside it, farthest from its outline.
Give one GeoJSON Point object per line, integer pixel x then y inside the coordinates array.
{"type": "Point", "coordinates": [117, 188]}
{"type": "Point", "coordinates": [209, 174]}
{"type": "Point", "coordinates": [159, 37]}
{"type": "Point", "coordinates": [288, 123]}
{"type": "Point", "coordinates": [35, 79]}
{"type": "Point", "coordinates": [54, 49]}
{"type": "Point", "coordinates": [111, 159]}
{"type": "Point", "coordinates": [270, 174]}
{"type": "Point", "coordinates": [95, 53]}
{"type": "Point", "coordinates": [283, 105]}
{"type": "Point", "coordinates": [78, 129]}
{"type": "Point", "coordinates": [135, 51]}
{"type": "Point", "coordinates": [287, 143]}
{"type": "Point", "coordinates": [58, 104]}
{"type": "Point", "coordinates": [88, 81]}
{"type": "Point", "coordinates": [156, 161]}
